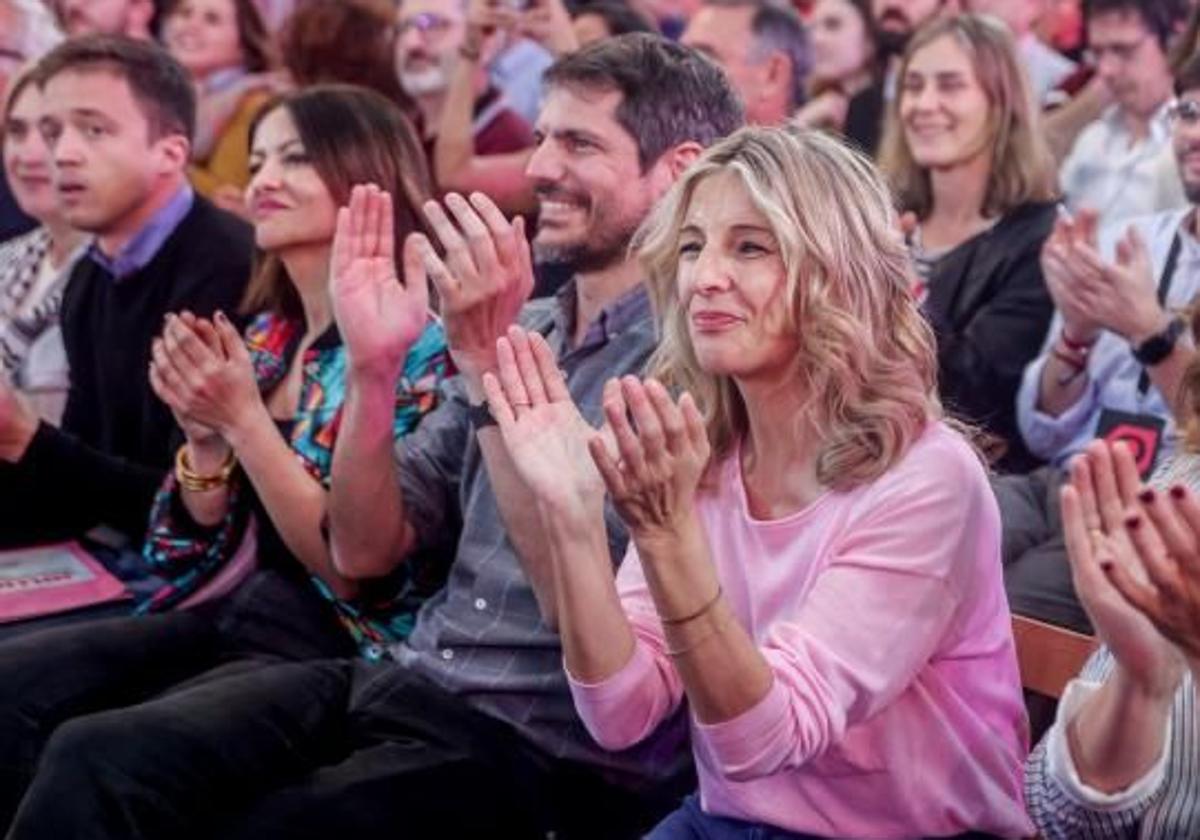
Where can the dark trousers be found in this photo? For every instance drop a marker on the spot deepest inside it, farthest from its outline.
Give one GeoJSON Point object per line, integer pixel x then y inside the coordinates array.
{"type": "Point", "coordinates": [52, 680]}
{"type": "Point", "coordinates": [1037, 574]}
{"type": "Point", "coordinates": [325, 749]}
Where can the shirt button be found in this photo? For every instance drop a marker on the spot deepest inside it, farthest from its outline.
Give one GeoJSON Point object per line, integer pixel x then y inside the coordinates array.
{"type": "Point", "coordinates": [447, 654]}
{"type": "Point", "coordinates": [480, 604]}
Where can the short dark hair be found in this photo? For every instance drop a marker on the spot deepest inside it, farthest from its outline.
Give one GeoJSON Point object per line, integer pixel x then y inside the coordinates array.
{"type": "Point", "coordinates": [353, 136]}
{"type": "Point", "coordinates": [618, 18]}
{"type": "Point", "coordinates": [670, 94]}
{"type": "Point", "coordinates": [1161, 17]}
{"type": "Point", "coordinates": [1187, 77]}
{"type": "Point", "coordinates": [777, 27]}
{"type": "Point", "coordinates": [160, 85]}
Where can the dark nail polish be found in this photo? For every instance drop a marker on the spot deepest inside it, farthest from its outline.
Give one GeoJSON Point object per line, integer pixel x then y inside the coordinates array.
{"type": "Point", "coordinates": [1177, 492]}
{"type": "Point", "coordinates": [1146, 496]}
{"type": "Point", "coordinates": [1106, 566]}
{"type": "Point", "coordinates": [1133, 523]}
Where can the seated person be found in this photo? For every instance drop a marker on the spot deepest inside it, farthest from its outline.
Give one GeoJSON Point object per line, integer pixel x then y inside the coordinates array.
{"type": "Point", "coordinates": [261, 421]}
{"type": "Point", "coordinates": [602, 19]}
{"type": "Point", "coordinates": [118, 115]}
{"type": "Point", "coordinates": [224, 46]}
{"type": "Point", "coordinates": [1047, 68]}
{"type": "Point", "coordinates": [1115, 763]}
{"type": "Point", "coordinates": [844, 61]}
{"type": "Point", "coordinates": [475, 699]}
{"type": "Point", "coordinates": [129, 18]}
{"type": "Point", "coordinates": [1120, 165]}
{"type": "Point", "coordinates": [983, 197]}
{"type": "Point", "coordinates": [772, 257]}
{"type": "Point", "coordinates": [33, 267]}
{"type": "Point", "coordinates": [1111, 365]}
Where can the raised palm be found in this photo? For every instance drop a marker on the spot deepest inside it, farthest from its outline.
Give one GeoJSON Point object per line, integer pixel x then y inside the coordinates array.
{"type": "Point", "coordinates": [544, 433]}
{"type": "Point", "coordinates": [1096, 506]}
{"type": "Point", "coordinates": [378, 316]}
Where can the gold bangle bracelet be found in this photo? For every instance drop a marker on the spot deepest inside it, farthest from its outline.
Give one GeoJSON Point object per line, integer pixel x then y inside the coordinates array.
{"type": "Point", "coordinates": [196, 482]}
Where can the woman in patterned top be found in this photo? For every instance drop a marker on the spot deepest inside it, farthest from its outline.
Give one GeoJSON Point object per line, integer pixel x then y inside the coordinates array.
{"type": "Point", "coordinates": [260, 418]}
{"type": "Point", "coordinates": [33, 267]}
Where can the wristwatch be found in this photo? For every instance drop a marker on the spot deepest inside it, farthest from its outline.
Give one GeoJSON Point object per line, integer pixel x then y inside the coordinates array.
{"type": "Point", "coordinates": [1158, 346]}
{"type": "Point", "coordinates": [480, 415]}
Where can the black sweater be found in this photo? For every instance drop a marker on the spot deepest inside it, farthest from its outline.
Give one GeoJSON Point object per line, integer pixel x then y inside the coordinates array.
{"type": "Point", "coordinates": [989, 306]}
{"type": "Point", "coordinates": [115, 444]}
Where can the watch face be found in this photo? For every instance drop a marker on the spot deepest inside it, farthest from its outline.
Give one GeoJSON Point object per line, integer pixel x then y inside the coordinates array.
{"type": "Point", "coordinates": [1156, 348]}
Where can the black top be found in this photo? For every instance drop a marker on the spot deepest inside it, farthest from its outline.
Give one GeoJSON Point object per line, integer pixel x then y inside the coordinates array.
{"type": "Point", "coordinates": [116, 441]}
{"type": "Point", "coordinates": [989, 306]}
{"type": "Point", "coordinates": [864, 119]}
{"type": "Point", "coordinates": [13, 221]}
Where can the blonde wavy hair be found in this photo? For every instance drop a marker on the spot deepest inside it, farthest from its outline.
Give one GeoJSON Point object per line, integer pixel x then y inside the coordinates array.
{"type": "Point", "coordinates": [1023, 167]}
{"type": "Point", "coordinates": [866, 362]}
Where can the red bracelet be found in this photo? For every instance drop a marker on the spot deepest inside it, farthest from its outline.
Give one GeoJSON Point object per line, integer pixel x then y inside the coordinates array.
{"type": "Point", "coordinates": [1076, 346]}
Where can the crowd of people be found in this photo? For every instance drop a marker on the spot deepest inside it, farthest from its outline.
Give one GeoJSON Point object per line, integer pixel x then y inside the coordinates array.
{"type": "Point", "coordinates": [601, 418]}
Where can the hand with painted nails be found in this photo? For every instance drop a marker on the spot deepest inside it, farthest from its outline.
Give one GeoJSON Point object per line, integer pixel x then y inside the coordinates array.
{"type": "Point", "coordinates": [1106, 524]}
{"type": "Point", "coordinates": [654, 469]}
{"type": "Point", "coordinates": [1164, 586]}
{"type": "Point", "coordinates": [203, 372]}
{"type": "Point", "coordinates": [378, 317]}
{"type": "Point", "coordinates": [484, 279]}
{"type": "Point", "coordinates": [545, 435]}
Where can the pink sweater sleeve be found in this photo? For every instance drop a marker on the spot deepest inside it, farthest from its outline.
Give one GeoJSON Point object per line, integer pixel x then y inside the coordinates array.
{"type": "Point", "coordinates": [879, 609]}
{"type": "Point", "coordinates": [628, 706]}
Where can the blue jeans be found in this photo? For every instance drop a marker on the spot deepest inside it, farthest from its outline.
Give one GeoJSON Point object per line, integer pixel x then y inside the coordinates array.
{"type": "Point", "coordinates": [691, 823]}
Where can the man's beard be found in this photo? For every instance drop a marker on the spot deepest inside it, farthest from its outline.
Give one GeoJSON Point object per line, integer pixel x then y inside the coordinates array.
{"type": "Point", "coordinates": [433, 79]}
{"type": "Point", "coordinates": [604, 243]}
{"type": "Point", "coordinates": [891, 42]}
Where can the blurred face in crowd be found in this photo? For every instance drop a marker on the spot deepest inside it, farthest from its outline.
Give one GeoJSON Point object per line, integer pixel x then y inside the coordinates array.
{"type": "Point", "coordinates": [589, 28]}
{"type": "Point", "coordinates": [944, 111]}
{"type": "Point", "coordinates": [12, 51]}
{"type": "Point", "coordinates": [107, 165]}
{"type": "Point", "coordinates": [732, 282]}
{"type": "Point", "coordinates": [290, 205]}
{"type": "Point", "coordinates": [841, 44]}
{"type": "Point", "coordinates": [726, 35]}
{"type": "Point", "coordinates": [591, 191]}
{"type": "Point", "coordinates": [203, 36]}
{"type": "Point", "coordinates": [428, 35]}
{"type": "Point", "coordinates": [27, 161]}
{"type": "Point", "coordinates": [107, 17]}
{"type": "Point", "coordinates": [897, 20]}
{"type": "Point", "coordinates": [1185, 135]}
{"type": "Point", "coordinates": [1130, 60]}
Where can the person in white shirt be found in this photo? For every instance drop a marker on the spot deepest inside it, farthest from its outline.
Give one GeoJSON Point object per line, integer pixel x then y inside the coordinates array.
{"type": "Point", "coordinates": [1120, 165]}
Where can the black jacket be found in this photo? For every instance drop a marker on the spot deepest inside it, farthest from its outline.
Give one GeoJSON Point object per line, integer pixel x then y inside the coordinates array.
{"type": "Point", "coordinates": [990, 309]}
{"type": "Point", "coordinates": [115, 444]}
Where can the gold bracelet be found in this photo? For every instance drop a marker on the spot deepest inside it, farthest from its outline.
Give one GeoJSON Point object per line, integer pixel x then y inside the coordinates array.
{"type": "Point", "coordinates": [191, 480]}
{"type": "Point", "coordinates": [714, 631]}
{"type": "Point", "coordinates": [712, 602]}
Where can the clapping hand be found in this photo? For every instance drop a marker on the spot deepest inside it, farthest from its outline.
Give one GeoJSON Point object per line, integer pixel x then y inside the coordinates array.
{"type": "Point", "coordinates": [1164, 584]}
{"type": "Point", "coordinates": [484, 279]}
{"type": "Point", "coordinates": [660, 456]}
{"type": "Point", "coordinates": [1106, 527]}
{"type": "Point", "coordinates": [18, 424]}
{"type": "Point", "coordinates": [378, 317]}
{"type": "Point", "coordinates": [202, 370]}
{"type": "Point", "coordinates": [544, 433]}
{"type": "Point", "coordinates": [1063, 271]}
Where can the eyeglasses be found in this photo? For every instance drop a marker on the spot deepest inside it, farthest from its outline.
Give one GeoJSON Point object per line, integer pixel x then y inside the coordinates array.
{"type": "Point", "coordinates": [1185, 112]}
{"type": "Point", "coordinates": [1123, 53]}
{"type": "Point", "coordinates": [427, 23]}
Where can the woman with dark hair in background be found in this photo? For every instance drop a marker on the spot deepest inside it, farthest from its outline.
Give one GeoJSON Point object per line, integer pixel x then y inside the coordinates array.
{"type": "Point", "coordinates": [226, 49]}
{"type": "Point", "coordinates": [966, 158]}
{"type": "Point", "coordinates": [844, 61]}
{"type": "Point", "coordinates": [260, 418]}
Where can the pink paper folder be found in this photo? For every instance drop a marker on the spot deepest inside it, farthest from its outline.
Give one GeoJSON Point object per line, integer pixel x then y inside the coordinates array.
{"type": "Point", "coordinates": [47, 579]}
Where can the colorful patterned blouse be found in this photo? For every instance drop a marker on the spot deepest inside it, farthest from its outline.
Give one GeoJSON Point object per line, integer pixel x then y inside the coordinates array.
{"type": "Point", "coordinates": [188, 555]}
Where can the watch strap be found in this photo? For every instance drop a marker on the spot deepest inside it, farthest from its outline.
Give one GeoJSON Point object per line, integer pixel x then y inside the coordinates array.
{"type": "Point", "coordinates": [480, 415]}
{"type": "Point", "coordinates": [1158, 346]}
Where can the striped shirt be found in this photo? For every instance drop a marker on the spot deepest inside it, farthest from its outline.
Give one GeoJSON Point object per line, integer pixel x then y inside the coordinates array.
{"type": "Point", "coordinates": [1162, 805]}
{"type": "Point", "coordinates": [482, 637]}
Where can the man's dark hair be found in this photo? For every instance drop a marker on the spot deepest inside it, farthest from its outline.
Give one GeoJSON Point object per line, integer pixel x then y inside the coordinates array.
{"type": "Point", "coordinates": [777, 28]}
{"type": "Point", "coordinates": [670, 94]}
{"type": "Point", "coordinates": [160, 85]}
{"type": "Point", "coordinates": [618, 18]}
{"type": "Point", "coordinates": [1187, 77]}
{"type": "Point", "coordinates": [1162, 17]}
